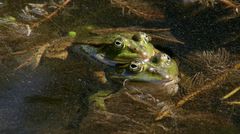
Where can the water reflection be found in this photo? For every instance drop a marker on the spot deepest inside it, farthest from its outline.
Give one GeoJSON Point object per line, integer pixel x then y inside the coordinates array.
{"type": "Point", "coordinates": [48, 99]}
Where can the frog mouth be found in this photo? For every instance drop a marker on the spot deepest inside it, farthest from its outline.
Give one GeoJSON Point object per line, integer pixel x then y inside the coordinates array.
{"type": "Point", "coordinates": [128, 78]}
{"type": "Point", "coordinates": [156, 88]}
{"type": "Point", "coordinates": [103, 59]}
{"type": "Point", "coordinates": [163, 83]}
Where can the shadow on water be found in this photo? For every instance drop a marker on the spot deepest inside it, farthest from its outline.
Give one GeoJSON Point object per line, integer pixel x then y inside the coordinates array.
{"type": "Point", "coordinates": [52, 98]}
{"type": "Point", "coordinates": [204, 28]}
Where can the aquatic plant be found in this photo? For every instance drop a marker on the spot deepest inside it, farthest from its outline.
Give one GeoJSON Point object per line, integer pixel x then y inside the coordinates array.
{"type": "Point", "coordinates": [216, 74]}
{"type": "Point", "coordinates": [209, 75]}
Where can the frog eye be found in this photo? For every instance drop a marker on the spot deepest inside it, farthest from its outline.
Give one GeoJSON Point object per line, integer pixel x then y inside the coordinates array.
{"type": "Point", "coordinates": [118, 43]}
{"type": "Point", "coordinates": [137, 37]}
{"type": "Point", "coordinates": [136, 66]}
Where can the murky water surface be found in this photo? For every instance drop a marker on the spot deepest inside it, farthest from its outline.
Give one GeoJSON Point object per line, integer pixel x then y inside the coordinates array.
{"type": "Point", "coordinates": [53, 97]}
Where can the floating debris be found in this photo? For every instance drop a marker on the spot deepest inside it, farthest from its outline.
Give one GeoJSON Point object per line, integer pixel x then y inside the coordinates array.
{"type": "Point", "coordinates": [140, 8]}
{"type": "Point", "coordinates": [10, 24]}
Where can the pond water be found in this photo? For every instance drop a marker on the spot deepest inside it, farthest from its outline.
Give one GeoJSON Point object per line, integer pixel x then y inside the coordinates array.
{"type": "Point", "coordinates": [50, 94]}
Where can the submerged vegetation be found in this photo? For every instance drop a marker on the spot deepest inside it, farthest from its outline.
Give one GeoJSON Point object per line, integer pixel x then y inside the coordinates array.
{"type": "Point", "coordinates": [62, 58]}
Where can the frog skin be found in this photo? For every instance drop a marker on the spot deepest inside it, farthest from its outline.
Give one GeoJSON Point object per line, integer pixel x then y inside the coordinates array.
{"type": "Point", "coordinates": [158, 76]}
{"type": "Point", "coordinates": [120, 48]}
{"type": "Point", "coordinates": [159, 67]}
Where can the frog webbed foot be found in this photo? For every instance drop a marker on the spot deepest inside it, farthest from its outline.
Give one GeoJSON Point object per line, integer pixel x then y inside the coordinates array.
{"type": "Point", "coordinates": [98, 99]}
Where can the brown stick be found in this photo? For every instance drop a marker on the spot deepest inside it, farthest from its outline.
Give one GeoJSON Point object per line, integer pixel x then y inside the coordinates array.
{"type": "Point", "coordinates": [135, 29]}
{"type": "Point", "coordinates": [148, 15]}
{"type": "Point", "coordinates": [127, 29]}
{"type": "Point", "coordinates": [48, 17]}
{"type": "Point", "coordinates": [172, 40]}
{"type": "Point", "coordinates": [229, 3]}
{"type": "Point", "coordinates": [34, 59]}
{"type": "Point", "coordinates": [125, 117]}
{"type": "Point", "coordinates": [233, 103]}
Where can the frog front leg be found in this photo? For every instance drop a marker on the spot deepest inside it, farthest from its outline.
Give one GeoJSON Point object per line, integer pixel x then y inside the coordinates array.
{"type": "Point", "coordinates": [98, 99]}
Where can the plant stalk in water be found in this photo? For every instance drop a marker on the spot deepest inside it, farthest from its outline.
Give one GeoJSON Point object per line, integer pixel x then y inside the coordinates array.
{"type": "Point", "coordinates": [208, 86]}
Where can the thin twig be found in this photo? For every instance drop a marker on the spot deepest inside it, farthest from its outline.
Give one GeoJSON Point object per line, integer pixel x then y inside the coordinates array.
{"type": "Point", "coordinates": [35, 59]}
{"type": "Point", "coordinates": [161, 38]}
{"type": "Point", "coordinates": [229, 3]}
{"type": "Point", "coordinates": [128, 29]}
{"type": "Point", "coordinates": [124, 117]}
{"type": "Point", "coordinates": [233, 103]}
{"type": "Point", "coordinates": [144, 13]}
{"type": "Point", "coordinates": [19, 52]}
{"type": "Point", "coordinates": [151, 108]}
{"type": "Point", "coordinates": [136, 29]}
{"type": "Point", "coordinates": [50, 16]}
{"type": "Point", "coordinates": [208, 86]}
{"type": "Point", "coordinates": [231, 93]}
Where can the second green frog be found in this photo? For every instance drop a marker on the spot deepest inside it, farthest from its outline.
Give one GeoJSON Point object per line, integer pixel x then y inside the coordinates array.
{"type": "Point", "coordinates": [120, 48]}
{"type": "Point", "coordinates": [157, 77]}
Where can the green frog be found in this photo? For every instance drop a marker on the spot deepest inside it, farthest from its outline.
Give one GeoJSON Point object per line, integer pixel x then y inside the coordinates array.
{"type": "Point", "coordinates": [157, 78]}
{"type": "Point", "coordinates": [120, 48]}
{"type": "Point", "coordinates": [134, 59]}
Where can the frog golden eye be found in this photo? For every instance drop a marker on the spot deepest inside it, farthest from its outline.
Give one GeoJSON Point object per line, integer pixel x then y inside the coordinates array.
{"type": "Point", "coordinates": [136, 66]}
{"type": "Point", "coordinates": [118, 43]}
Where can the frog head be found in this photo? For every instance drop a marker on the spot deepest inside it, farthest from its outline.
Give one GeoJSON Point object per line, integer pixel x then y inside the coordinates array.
{"type": "Point", "coordinates": [122, 48]}
{"type": "Point", "coordinates": [158, 76]}
{"type": "Point", "coordinates": [159, 67]}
